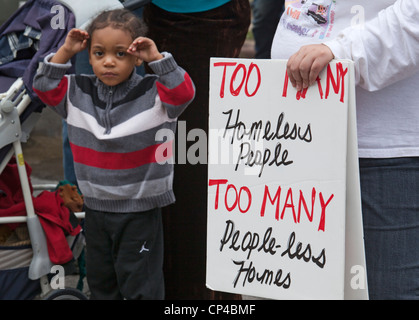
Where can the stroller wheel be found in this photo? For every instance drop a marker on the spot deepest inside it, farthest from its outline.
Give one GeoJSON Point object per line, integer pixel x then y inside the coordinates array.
{"type": "Point", "coordinates": [66, 294]}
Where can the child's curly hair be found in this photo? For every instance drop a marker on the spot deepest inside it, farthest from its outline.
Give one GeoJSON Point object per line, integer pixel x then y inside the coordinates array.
{"type": "Point", "coordinates": [118, 19]}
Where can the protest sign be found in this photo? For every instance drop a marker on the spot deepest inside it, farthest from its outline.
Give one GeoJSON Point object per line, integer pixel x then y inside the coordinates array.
{"type": "Point", "coordinates": [282, 169]}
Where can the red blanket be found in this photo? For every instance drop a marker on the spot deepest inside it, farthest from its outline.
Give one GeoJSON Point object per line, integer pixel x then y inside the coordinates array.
{"type": "Point", "coordinates": [53, 215]}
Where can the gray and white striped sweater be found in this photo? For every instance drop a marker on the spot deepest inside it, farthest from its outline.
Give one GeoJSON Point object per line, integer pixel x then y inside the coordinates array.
{"type": "Point", "coordinates": [119, 165]}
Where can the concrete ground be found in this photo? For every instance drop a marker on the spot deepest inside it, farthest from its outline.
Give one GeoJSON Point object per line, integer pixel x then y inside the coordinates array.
{"type": "Point", "coordinates": [43, 151]}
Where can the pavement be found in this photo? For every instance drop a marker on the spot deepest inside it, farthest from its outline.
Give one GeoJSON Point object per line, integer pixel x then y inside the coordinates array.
{"type": "Point", "coordinates": [43, 151]}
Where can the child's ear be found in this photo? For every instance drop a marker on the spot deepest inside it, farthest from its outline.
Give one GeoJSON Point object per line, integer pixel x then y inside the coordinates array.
{"type": "Point", "coordinates": [138, 62]}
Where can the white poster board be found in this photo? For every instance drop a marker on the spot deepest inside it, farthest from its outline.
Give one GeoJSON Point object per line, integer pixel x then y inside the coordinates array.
{"type": "Point", "coordinates": [282, 169]}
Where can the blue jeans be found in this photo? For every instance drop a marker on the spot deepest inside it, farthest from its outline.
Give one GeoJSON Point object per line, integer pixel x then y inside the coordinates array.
{"type": "Point", "coordinates": [68, 164]}
{"type": "Point", "coordinates": [266, 14]}
{"type": "Point", "coordinates": [390, 205]}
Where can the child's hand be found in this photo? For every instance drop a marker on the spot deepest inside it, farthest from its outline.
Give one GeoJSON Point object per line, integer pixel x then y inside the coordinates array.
{"type": "Point", "coordinates": [75, 42]}
{"type": "Point", "coordinates": [144, 49]}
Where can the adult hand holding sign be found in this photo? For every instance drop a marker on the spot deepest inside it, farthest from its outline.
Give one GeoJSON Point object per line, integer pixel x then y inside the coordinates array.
{"type": "Point", "coordinates": [305, 65]}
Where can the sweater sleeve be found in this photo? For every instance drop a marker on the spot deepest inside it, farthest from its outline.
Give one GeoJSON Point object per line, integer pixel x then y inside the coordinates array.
{"type": "Point", "coordinates": [174, 86]}
{"type": "Point", "coordinates": [50, 84]}
{"type": "Point", "coordinates": [384, 49]}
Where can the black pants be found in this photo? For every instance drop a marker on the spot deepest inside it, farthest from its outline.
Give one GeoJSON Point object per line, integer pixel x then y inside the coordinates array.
{"type": "Point", "coordinates": [193, 38]}
{"type": "Point", "coordinates": [124, 255]}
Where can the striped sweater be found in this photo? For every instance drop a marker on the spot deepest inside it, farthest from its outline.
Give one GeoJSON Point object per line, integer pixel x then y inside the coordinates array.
{"type": "Point", "coordinates": [120, 164]}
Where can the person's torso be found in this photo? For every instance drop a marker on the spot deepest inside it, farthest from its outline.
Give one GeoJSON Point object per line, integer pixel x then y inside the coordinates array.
{"type": "Point", "coordinates": [187, 6]}
{"type": "Point", "coordinates": [316, 21]}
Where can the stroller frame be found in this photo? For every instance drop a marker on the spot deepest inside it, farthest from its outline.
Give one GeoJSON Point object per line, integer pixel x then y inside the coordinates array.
{"type": "Point", "coordinates": [12, 104]}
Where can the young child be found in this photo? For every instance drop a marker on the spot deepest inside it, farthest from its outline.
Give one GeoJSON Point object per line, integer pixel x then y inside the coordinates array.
{"type": "Point", "coordinates": [122, 169]}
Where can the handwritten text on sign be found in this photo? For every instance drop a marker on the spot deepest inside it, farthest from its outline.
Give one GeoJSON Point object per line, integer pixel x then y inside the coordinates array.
{"type": "Point", "coordinates": [276, 207]}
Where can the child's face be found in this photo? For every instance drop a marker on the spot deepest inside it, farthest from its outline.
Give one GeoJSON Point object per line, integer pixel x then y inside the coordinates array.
{"type": "Point", "coordinates": [108, 55]}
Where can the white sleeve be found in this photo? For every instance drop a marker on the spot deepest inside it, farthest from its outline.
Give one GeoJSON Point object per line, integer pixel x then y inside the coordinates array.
{"type": "Point", "coordinates": [385, 49]}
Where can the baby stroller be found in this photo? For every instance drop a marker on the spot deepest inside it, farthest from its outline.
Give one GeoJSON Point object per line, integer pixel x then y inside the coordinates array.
{"type": "Point", "coordinates": [26, 268]}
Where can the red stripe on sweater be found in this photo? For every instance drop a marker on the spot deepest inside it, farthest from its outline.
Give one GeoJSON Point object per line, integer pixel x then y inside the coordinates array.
{"type": "Point", "coordinates": [118, 161]}
{"type": "Point", "coordinates": [53, 97]}
{"type": "Point", "coordinates": [179, 95]}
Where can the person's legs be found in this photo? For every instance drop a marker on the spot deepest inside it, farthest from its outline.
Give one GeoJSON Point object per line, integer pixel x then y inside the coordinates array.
{"type": "Point", "coordinates": [390, 205]}
{"type": "Point", "coordinates": [266, 15]}
{"type": "Point", "coordinates": [186, 36]}
{"type": "Point", "coordinates": [100, 272]}
{"type": "Point", "coordinates": [124, 255]}
{"type": "Point", "coordinates": [68, 163]}
{"type": "Point", "coordinates": [138, 252]}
